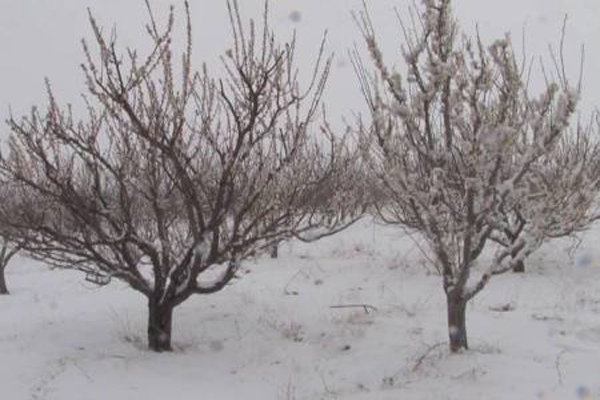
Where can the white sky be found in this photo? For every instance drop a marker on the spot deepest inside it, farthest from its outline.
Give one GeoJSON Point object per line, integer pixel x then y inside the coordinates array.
{"type": "Point", "coordinates": [41, 38]}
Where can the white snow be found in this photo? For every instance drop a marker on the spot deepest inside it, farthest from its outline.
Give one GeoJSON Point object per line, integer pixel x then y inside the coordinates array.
{"type": "Point", "coordinates": [203, 247]}
{"type": "Point", "coordinates": [273, 335]}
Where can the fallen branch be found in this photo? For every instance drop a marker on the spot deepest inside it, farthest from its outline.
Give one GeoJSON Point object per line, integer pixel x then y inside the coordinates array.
{"type": "Point", "coordinates": [365, 307]}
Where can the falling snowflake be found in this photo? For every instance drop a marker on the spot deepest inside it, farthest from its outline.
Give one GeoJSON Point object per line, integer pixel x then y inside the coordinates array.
{"type": "Point", "coordinates": [583, 259]}
{"type": "Point", "coordinates": [295, 16]}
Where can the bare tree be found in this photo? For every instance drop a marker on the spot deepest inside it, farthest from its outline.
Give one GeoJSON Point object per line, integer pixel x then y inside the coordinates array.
{"type": "Point", "coordinates": [441, 146]}
{"type": "Point", "coordinates": [8, 250]}
{"type": "Point", "coordinates": [173, 178]}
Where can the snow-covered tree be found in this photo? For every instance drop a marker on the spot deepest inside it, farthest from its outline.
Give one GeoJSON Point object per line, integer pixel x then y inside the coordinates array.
{"type": "Point", "coordinates": [173, 177]}
{"type": "Point", "coordinates": [562, 189]}
{"type": "Point", "coordinates": [440, 146]}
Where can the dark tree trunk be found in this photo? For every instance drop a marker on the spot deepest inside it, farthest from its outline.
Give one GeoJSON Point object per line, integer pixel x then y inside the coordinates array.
{"type": "Point", "coordinates": [160, 321]}
{"type": "Point", "coordinates": [457, 323]}
{"type": "Point", "coordinates": [519, 267]}
{"type": "Point", "coordinates": [3, 288]}
{"type": "Point", "coordinates": [275, 251]}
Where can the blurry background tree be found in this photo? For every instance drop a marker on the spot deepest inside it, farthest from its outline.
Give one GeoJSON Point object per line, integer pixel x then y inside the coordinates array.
{"type": "Point", "coordinates": [174, 177]}
{"type": "Point", "coordinates": [441, 147]}
{"type": "Point", "coordinates": [8, 250]}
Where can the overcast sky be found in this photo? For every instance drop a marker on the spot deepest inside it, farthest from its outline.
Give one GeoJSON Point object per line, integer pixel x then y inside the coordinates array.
{"type": "Point", "coordinates": [41, 38]}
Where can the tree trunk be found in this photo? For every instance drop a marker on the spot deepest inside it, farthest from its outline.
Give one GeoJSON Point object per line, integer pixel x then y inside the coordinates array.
{"type": "Point", "coordinates": [160, 321]}
{"type": "Point", "coordinates": [3, 288]}
{"type": "Point", "coordinates": [457, 324]}
{"type": "Point", "coordinates": [275, 251]}
{"type": "Point", "coordinates": [519, 267]}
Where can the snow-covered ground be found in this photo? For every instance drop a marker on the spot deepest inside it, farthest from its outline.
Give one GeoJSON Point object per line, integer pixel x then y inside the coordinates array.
{"type": "Point", "coordinates": [274, 335]}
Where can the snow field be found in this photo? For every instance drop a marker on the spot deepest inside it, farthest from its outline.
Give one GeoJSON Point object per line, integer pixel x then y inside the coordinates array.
{"type": "Point", "coordinates": [274, 335]}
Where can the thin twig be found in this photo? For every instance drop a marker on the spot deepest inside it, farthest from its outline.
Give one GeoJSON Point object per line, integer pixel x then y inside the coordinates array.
{"type": "Point", "coordinates": [289, 282]}
{"type": "Point", "coordinates": [423, 356]}
{"type": "Point", "coordinates": [365, 307]}
{"type": "Point", "coordinates": [557, 366]}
